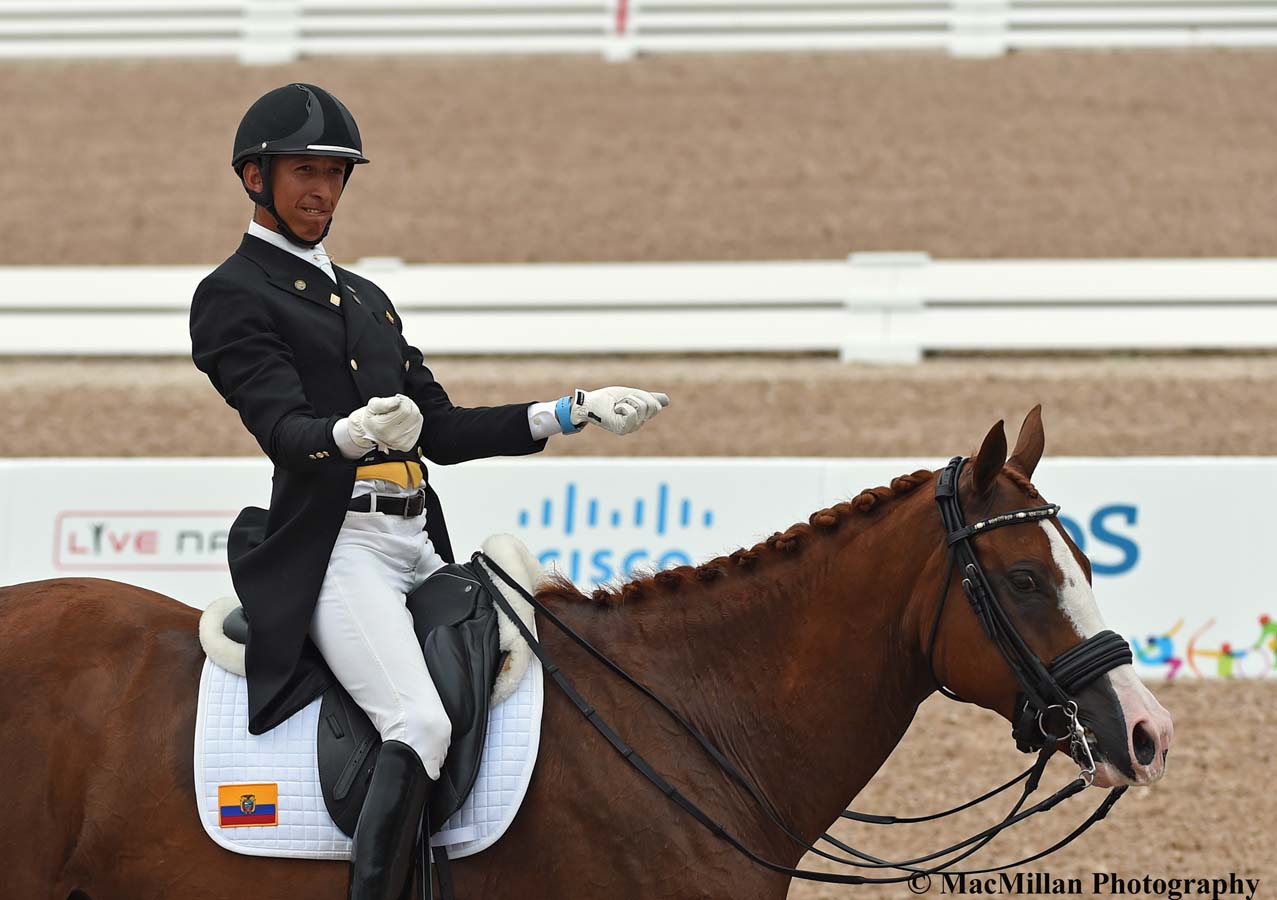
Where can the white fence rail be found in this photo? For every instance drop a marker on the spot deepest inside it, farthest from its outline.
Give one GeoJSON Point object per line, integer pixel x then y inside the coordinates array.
{"type": "Point", "coordinates": [891, 307]}
{"type": "Point", "coordinates": [270, 31]}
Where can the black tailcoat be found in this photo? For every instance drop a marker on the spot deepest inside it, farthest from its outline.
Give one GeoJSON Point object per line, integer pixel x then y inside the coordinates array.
{"type": "Point", "coordinates": [292, 353]}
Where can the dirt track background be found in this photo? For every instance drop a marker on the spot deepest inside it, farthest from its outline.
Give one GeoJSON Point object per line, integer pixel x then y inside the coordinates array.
{"type": "Point", "coordinates": [1068, 154]}
{"type": "Point", "coordinates": [734, 406]}
{"type": "Point", "coordinates": [679, 157]}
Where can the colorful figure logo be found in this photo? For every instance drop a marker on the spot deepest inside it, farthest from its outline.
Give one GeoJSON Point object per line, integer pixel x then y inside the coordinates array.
{"type": "Point", "coordinates": [1159, 649]}
{"type": "Point", "coordinates": [1258, 660]}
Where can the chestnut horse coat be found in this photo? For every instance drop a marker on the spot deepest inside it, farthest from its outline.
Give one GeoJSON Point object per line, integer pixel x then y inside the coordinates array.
{"type": "Point", "coordinates": [293, 353]}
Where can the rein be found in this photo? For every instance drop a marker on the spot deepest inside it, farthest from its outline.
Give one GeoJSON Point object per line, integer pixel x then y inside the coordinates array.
{"type": "Point", "coordinates": [1043, 691]}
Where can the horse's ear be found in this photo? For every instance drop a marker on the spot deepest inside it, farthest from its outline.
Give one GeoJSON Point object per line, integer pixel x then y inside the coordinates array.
{"type": "Point", "coordinates": [1030, 443]}
{"type": "Point", "coordinates": [988, 462]}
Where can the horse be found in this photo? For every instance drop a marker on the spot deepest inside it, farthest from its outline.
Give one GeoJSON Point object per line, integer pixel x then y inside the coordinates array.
{"type": "Point", "coordinates": [803, 659]}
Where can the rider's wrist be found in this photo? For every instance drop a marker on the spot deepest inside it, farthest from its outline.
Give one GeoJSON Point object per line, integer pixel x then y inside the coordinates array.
{"type": "Point", "coordinates": [563, 412]}
{"type": "Point", "coordinates": [344, 437]}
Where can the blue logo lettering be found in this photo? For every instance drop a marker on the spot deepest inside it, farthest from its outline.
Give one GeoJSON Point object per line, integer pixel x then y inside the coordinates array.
{"type": "Point", "coordinates": [585, 518]}
{"type": "Point", "coordinates": [1101, 527]}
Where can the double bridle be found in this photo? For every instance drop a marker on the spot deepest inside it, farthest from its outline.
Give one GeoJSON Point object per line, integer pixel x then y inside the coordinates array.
{"type": "Point", "coordinates": [1046, 691]}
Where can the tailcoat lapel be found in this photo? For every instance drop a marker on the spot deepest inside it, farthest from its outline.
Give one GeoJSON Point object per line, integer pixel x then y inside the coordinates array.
{"type": "Point", "coordinates": [301, 279]}
{"type": "Point", "coordinates": [288, 273]}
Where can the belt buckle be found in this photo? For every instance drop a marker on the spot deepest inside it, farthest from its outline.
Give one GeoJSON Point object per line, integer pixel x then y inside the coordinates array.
{"type": "Point", "coordinates": [417, 504]}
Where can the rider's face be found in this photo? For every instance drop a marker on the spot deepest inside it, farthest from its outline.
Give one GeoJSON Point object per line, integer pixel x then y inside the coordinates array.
{"type": "Point", "coordinates": [306, 191]}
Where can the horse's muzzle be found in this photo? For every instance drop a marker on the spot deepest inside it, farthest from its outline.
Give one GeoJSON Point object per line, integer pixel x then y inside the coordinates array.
{"type": "Point", "coordinates": [1130, 731]}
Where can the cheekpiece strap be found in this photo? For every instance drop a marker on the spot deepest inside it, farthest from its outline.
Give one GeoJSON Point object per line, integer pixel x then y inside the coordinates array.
{"type": "Point", "coordinates": [947, 485]}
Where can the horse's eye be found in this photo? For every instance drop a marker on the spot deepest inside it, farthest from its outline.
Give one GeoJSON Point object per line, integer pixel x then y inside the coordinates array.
{"type": "Point", "coordinates": [1022, 581]}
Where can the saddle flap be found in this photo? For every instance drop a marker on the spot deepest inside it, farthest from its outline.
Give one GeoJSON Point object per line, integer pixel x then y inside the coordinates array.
{"type": "Point", "coordinates": [347, 745]}
{"type": "Point", "coordinates": [463, 662]}
{"type": "Point", "coordinates": [456, 623]}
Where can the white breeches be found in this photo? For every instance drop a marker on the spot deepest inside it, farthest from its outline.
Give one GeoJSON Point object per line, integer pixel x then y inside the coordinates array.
{"type": "Point", "coordinates": [363, 629]}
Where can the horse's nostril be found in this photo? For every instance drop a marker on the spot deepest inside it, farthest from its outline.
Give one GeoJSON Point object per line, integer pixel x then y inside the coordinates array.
{"type": "Point", "coordinates": [1145, 747]}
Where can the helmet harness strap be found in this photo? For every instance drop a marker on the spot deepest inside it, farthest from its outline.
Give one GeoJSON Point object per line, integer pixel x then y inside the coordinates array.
{"type": "Point", "coordinates": [314, 134]}
{"type": "Point", "coordinates": [265, 198]}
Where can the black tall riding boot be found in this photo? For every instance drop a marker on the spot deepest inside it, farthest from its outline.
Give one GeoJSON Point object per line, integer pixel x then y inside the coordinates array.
{"type": "Point", "coordinates": [381, 855]}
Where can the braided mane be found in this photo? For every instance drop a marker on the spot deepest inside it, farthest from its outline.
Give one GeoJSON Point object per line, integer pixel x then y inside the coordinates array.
{"type": "Point", "coordinates": [780, 545]}
{"type": "Point", "coordinates": [1020, 480]}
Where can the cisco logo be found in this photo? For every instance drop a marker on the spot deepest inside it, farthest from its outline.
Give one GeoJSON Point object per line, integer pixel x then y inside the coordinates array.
{"type": "Point", "coordinates": [598, 540]}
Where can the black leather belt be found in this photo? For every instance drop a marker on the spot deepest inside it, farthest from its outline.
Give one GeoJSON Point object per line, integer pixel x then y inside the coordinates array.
{"type": "Point", "coordinates": [408, 507]}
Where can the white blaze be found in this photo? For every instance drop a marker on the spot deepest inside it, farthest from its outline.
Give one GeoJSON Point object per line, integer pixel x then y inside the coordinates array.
{"type": "Point", "coordinates": [1076, 597]}
{"type": "Point", "coordinates": [1077, 601]}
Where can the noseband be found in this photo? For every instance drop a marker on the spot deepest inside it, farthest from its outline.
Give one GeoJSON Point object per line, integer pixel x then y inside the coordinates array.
{"type": "Point", "coordinates": [1045, 690]}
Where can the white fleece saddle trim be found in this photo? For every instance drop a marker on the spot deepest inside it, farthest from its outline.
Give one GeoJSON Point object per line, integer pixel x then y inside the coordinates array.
{"type": "Point", "coordinates": [217, 646]}
{"type": "Point", "coordinates": [506, 550]}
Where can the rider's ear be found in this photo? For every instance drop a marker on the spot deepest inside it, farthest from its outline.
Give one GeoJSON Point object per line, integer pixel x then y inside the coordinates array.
{"type": "Point", "coordinates": [988, 462]}
{"type": "Point", "coordinates": [1029, 445]}
{"type": "Point", "coordinates": [252, 177]}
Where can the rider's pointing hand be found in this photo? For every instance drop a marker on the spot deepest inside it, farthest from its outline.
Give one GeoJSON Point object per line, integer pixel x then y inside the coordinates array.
{"type": "Point", "coordinates": [619, 410]}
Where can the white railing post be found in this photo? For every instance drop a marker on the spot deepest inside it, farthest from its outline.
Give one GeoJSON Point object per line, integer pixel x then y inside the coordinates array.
{"type": "Point", "coordinates": [618, 46]}
{"type": "Point", "coordinates": [884, 303]}
{"type": "Point", "coordinates": [272, 32]}
{"type": "Point", "coordinates": [978, 27]}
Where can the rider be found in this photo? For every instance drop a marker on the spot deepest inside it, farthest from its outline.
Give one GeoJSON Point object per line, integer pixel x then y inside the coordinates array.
{"type": "Point", "coordinates": [313, 358]}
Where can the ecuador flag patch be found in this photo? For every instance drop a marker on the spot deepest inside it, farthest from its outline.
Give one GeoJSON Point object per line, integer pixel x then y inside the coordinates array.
{"type": "Point", "coordinates": [247, 804]}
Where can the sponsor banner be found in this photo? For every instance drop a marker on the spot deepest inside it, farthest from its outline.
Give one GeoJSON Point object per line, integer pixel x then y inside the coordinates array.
{"type": "Point", "coordinates": [127, 540]}
{"type": "Point", "coordinates": [1177, 545]}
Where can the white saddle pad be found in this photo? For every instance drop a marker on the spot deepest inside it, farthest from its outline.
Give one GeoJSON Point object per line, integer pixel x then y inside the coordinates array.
{"type": "Point", "coordinates": [242, 779]}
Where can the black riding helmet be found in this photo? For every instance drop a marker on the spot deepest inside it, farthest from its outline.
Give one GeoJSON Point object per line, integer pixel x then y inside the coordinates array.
{"type": "Point", "coordinates": [296, 119]}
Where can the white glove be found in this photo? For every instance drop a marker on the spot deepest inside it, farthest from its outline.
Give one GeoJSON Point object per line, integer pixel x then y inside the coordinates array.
{"type": "Point", "coordinates": [388, 422]}
{"type": "Point", "coordinates": [618, 409]}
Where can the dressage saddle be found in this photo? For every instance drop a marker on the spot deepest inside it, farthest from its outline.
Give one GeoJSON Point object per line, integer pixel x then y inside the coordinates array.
{"type": "Point", "coordinates": [456, 624]}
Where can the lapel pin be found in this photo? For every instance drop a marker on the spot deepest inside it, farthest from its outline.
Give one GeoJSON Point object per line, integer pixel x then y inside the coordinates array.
{"type": "Point", "coordinates": [334, 300]}
{"type": "Point", "coordinates": [299, 284]}
{"type": "Point", "coordinates": [389, 317]}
